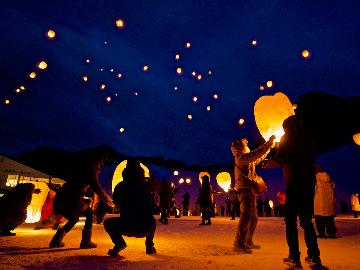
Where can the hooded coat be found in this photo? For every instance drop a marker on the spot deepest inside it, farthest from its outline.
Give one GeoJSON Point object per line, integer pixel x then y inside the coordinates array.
{"type": "Point", "coordinates": [325, 200]}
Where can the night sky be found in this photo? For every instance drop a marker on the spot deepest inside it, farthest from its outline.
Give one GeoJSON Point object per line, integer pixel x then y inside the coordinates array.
{"type": "Point", "coordinates": [58, 108]}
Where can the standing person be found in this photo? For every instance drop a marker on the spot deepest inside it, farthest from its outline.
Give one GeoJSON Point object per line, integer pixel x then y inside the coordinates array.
{"type": "Point", "coordinates": [164, 195]}
{"type": "Point", "coordinates": [204, 200]}
{"type": "Point", "coordinates": [234, 204]}
{"type": "Point", "coordinates": [324, 204]}
{"type": "Point", "coordinates": [281, 196]}
{"type": "Point", "coordinates": [355, 205]}
{"type": "Point", "coordinates": [296, 153]}
{"type": "Point", "coordinates": [228, 206]}
{"type": "Point", "coordinates": [260, 206]}
{"type": "Point", "coordinates": [186, 202]}
{"type": "Point", "coordinates": [267, 207]}
{"type": "Point", "coordinates": [134, 200]}
{"type": "Point", "coordinates": [222, 210]}
{"type": "Point", "coordinates": [245, 162]}
{"type": "Point", "coordinates": [70, 202]}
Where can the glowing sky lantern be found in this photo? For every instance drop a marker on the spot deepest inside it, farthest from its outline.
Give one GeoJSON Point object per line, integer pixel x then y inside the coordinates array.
{"type": "Point", "coordinates": [188, 45]}
{"type": "Point", "coordinates": [261, 87]}
{"type": "Point", "coordinates": [179, 70]}
{"type": "Point", "coordinates": [241, 121]}
{"type": "Point", "coordinates": [51, 34]}
{"type": "Point", "coordinates": [224, 180]}
{"type": "Point", "coordinates": [176, 88]}
{"type": "Point", "coordinates": [271, 204]}
{"type": "Point", "coordinates": [32, 75]}
{"type": "Point", "coordinates": [216, 96]}
{"type": "Point", "coordinates": [356, 138]}
{"type": "Point", "coordinates": [112, 70]}
{"type": "Point", "coordinates": [195, 99]}
{"type": "Point", "coordinates": [117, 177]}
{"type": "Point", "coordinates": [122, 130]}
{"type": "Point", "coordinates": [254, 42]}
{"type": "Point", "coordinates": [108, 99]}
{"type": "Point", "coordinates": [120, 24]}
{"type": "Point", "coordinates": [136, 93]}
{"type": "Point", "coordinates": [199, 77]}
{"type": "Point", "coordinates": [42, 65]}
{"type": "Point", "coordinates": [119, 75]}
{"type": "Point", "coordinates": [34, 209]}
{"type": "Point", "coordinates": [17, 90]}
{"type": "Point", "coordinates": [102, 86]}
{"type": "Point", "coordinates": [201, 174]}
{"type": "Point", "coordinates": [85, 78]}
{"type": "Point", "coordinates": [145, 68]}
{"type": "Point", "coordinates": [7, 101]}
{"type": "Point", "coordinates": [305, 54]}
{"type": "Point", "coordinates": [188, 180]}
{"type": "Point", "coordinates": [176, 173]}
{"type": "Point", "coordinates": [209, 71]}
{"type": "Point", "coordinates": [22, 88]}
{"type": "Point", "coordinates": [87, 61]}
{"type": "Point", "coordinates": [193, 73]}
{"type": "Point", "coordinates": [295, 106]}
{"type": "Point", "coordinates": [269, 84]}
{"type": "Point", "coordinates": [177, 56]}
{"type": "Point", "coordinates": [189, 116]}
{"type": "Point", "coordinates": [270, 113]}
{"type": "Point", "coordinates": [208, 107]}
{"type": "Point", "coordinates": [181, 180]}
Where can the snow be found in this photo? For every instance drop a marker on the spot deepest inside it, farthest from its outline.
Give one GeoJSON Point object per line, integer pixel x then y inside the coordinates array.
{"type": "Point", "coordinates": [182, 244]}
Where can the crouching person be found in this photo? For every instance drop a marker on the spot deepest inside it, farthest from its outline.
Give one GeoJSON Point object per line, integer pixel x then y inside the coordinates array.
{"type": "Point", "coordinates": [134, 201]}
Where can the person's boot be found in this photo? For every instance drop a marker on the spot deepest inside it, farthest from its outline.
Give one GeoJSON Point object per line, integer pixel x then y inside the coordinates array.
{"type": "Point", "coordinates": [209, 222]}
{"type": "Point", "coordinates": [86, 240]}
{"type": "Point", "coordinates": [293, 261]}
{"type": "Point", "coordinates": [313, 260]}
{"type": "Point", "coordinates": [117, 248]}
{"type": "Point", "coordinates": [150, 249]}
{"type": "Point", "coordinates": [56, 241]}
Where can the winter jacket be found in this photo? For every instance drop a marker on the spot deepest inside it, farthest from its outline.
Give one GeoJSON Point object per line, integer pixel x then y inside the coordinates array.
{"type": "Point", "coordinates": [355, 205]}
{"type": "Point", "coordinates": [325, 200]}
{"type": "Point", "coordinates": [245, 164]}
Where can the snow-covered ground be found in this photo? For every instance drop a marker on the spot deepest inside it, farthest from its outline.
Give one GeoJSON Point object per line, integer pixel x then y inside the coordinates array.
{"type": "Point", "coordinates": [182, 244]}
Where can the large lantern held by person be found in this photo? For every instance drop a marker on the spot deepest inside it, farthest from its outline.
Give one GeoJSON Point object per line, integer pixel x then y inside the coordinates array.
{"type": "Point", "coordinates": [270, 113]}
{"type": "Point", "coordinates": [202, 174]}
{"type": "Point", "coordinates": [224, 180]}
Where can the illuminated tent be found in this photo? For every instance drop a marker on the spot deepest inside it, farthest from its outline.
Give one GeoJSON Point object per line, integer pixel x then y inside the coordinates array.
{"type": "Point", "coordinates": [270, 113]}
{"type": "Point", "coordinates": [117, 177]}
{"type": "Point", "coordinates": [224, 180]}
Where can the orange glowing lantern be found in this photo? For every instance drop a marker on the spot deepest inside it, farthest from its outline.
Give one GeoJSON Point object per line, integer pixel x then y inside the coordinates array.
{"type": "Point", "coordinates": [32, 75]}
{"type": "Point", "coordinates": [188, 180]}
{"type": "Point", "coordinates": [188, 45]}
{"type": "Point", "coordinates": [208, 108]}
{"type": "Point", "coordinates": [254, 42]}
{"type": "Point", "coordinates": [85, 78]}
{"type": "Point", "coordinates": [199, 77]}
{"type": "Point", "coordinates": [216, 96]}
{"type": "Point", "coordinates": [181, 180]}
{"type": "Point", "coordinates": [356, 138]}
{"type": "Point", "coordinates": [17, 90]}
{"type": "Point", "coordinates": [102, 86]}
{"type": "Point", "coordinates": [108, 99]}
{"type": "Point", "coordinates": [224, 180]}
{"type": "Point", "coordinates": [22, 88]}
{"type": "Point", "coordinates": [261, 87]}
{"type": "Point", "coordinates": [145, 68]}
{"type": "Point", "coordinates": [7, 101]}
{"type": "Point", "coordinates": [189, 116]}
{"type": "Point", "coordinates": [122, 130]}
{"type": "Point", "coordinates": [119, 75]}
{"type": "Point", "coordinates": [42, 65]}
{"type": "Point", "coordinates": [51, 34]}
{"type": "Point", "coordinates": [177, 56]}
{"type": "Point", "coordinates": [241, 121]}
{"type": "Point", "coordinates": [179, 70]}
{"type": "Point", "coordinates": [195, 99]}
{"type": "Point", "coordinates": [305, 54]}
{"type": "Point", "coordinates": [120, 24]}
{"type": "Point", "coordinates": [269, 84]}
{"type": "Point", "coordinates": [117, 176]}
{"type": "Point", "coordinates": [270, 113]}
{"type": "Point", "coordinates": [176, 173]}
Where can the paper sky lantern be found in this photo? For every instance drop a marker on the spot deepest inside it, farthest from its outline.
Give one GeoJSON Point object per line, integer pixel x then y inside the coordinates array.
{"type": "Point", "coordinates": [241, 121]}
{"type": "Point", "coordinates": [85, 78]}
{"type": "Point", "coordinates": [356, 138]}
{"type": "Point", "coordinates": [120, 24]}
{"type": "Point", "coordinates": [201, 174]}
{"type": "Point", "coordinates": [117, 177]}
{"type": "Point", "coordinates": [176, 88]}
{"type": "Point", "coordinates": [209, 71]}
{"type": "Point", "coordinates": [34, 209]}
{"type": "Point", "coordinates": [305, 53]}
{"type": "Point", "coordinates": [254, 42]}
{"type": "Point", "coordinates": [119, 75]}
{"type": "Point", "coordinates": [193, 73]}
{"type": "Point", "coordinates": [224, 180]}
{"type": "Point", "coordinates": [42, 65]}
{"type": "Point", "coordinates": [215, 96]}
{"type": "Point", "coordinates": [269, 84]}
{"type": "Point", "coordinates": [145, 68]}
{"type": "Point", "coordinates": [270, 113]}
{"type": "Point", "coordinates": [102, 86]}
{"type": "Point", "coordinates": [122, 130]}
{"type": "Point", "coordinates": [181, 180]}
{"type": "Point", "coordinates": [179, 70]}
{"type": "Point", "coordinates": [108, 99]}
{"type": "Point", "coordinates": [199, 77]}
{"type": "Point", "coordinates": [22, 87]}
{"type": "Point", "coordinates": [177, 56]}
{"type": "Point", "coordinates": [208, 107]}
{"type": "Point", "coordinates": [176, 173]}
{"type": "Point", "coordinates": [261, 87]}
{"type": "Point", "coordinates": [188, 180]}
{"type": "Point", "coordinates": [195, 99]}
{"type": "Point", "coordinates": [51, 34]}
{"type": "Point", "coordinates": [188, 45]}
{"type": "Point", "coordinates": [87, 61]}
{"type": "Point", "coordinates": [271, 204]}
{"type": "Point", "coordinates": [32, 75]}
{"type": "Point", "coordinates": [7, 101]}
{"type": "Point", "coordinates": [17, 90]}
{"type": "Point", "coordinates": [189, 116]}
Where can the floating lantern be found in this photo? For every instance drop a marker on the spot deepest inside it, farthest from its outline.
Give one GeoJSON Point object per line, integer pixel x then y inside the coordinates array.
{"type": "Point", "coordinates": [356, 138]}
{"type": "Point", "coordinates": [119, 75]}
{"type": "Point", "coordinates": [305, 53]}
{"type": "Point", "coordinates": [181, 180]}
{"type": "Point", "coordinates": [122, 130]}
{"type": "Point", "coordinates": [241, 121]}
{"type": "Point", "coordinates": [177, 56]}
{"type": "Point", "coordinates": [179, 70]}
{"type": "Point", "coordinates": [295, 106]}
{"type": "Point", "coordinates": [105, 42]}
{"type": "Point", "coordinates": [117, 177]}
{"type": "Point", "coordinates": [269, 84]}
{"type": "Point", "coordinates": [7, 101]}
{"type": "Point", "coordinates": [145, 68]}
{"type": "Point", "coordinates": [208, 107]}
{"type": "Point", "coordinates": [136, 93]}
{"type": "Point", "coordinates": [108, 99]}
{"type": "Point", "coordinates": [112, 70]}
{"type": "Point", "coordinates": [176, 88]}
{"type": "Point", "coordinates": [270, 113]}
{"type": "Point", "coordinates": [120, 24]}
{"type": "Point", "coordinates": [209, 72]}
{"type": "Point", "coordinates": [22, 88]}
{"type": "Point", "coordinates": [17, 90]}
{"type": "Point", "coordinates": [193, 73]}
{"type": "Point", "coordinates": [254, 42]}
{"type": "Point", "coordinates": [195, 99]}
{"type": "Point", "coordinates": [271, 204]}
{"type": "Point", "coordinates": [102, 86]}
{"type": "Point", "coordinates": [216, 96]}
{"type": "Point", "coordinates": [224, 180]}
{"type": "Point", "coordinates": [85, 78]}
{"type": "Point", "coordinates": [32, 75]}
{"type": "Point", "coordinates": [188, 45]}
{"type": "Point", "coordinates": [101, 69]}
{"type": "Point", "coordinates": [201, 174]}
{"type": "Point", "coordinates": [199, 77]}
{"type": "Point", "coordinates": [189, 116]}
{"type": "Point", "coordinates": [87, 61]}
{"type": "Point", "coordinates": [51, 34]}
{"type": "Point", "coordinates": [188, 180]}
{"type": "Point", "coordinates": [176, 173]}
{"type": "Point", "coordinates": [42, 65]}
{"type": "Point", "coordinates": [261, 87]}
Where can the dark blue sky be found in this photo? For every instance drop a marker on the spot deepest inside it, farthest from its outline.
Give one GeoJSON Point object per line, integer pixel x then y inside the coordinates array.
{"type": "Point", "coordinates": [59, 109]}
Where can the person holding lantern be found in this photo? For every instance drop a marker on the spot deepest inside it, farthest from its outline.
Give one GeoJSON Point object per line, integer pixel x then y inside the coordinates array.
{"type": "Point", "coordinates": [204, 200]}
{"type": "Point", "coordinates": [245, 162]}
